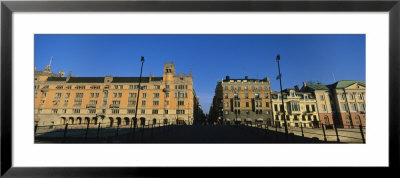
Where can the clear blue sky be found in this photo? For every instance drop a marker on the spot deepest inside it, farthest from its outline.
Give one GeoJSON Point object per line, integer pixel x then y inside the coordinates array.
{"type": "Point", "coordinates": [210, 57]}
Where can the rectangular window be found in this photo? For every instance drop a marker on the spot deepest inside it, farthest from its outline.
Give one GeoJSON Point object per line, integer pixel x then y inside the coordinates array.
{"type": "Point", "coordinates": [245, 88]}
{"type": "Point", "coordinates": [246, 95]}
{"type": "Point", "coordinates": [247, 104]}
{"type": "Point", "coordinates": [76, 110]}
{"type": "Point", "coordinates": [78, 95]}
{"type": "Point", "coordinates": [353, 106]}
{"type": "Point", "coordinates": [132, 95]}
{"type": "Point", "coordinates": [232, 88]}
{"type": "Point", "coordinates": [93, 102]}
{"type": "Point", "coordinates": [276, 107]}
{"type": "Point", "coordinates": [166, 86]}
{"type": "Point", "coordinates": [156, 95]}
{"type": "Point", "coordinates": [226, 95]}
{"type": "Point", "coordinates": [144, 95]}
{"type": "Point", "coordinates": [313, 107]}
{"type": "Point", "coordinates": [266, 95]}
{"type": "Point", "coordinates": [180, 111]}
{"type": "Point", "coordinates": [94, 95]}
{"type": "Point", "coordinates": [131, 103]}
{"type": "Point", "coordinates": [239, 88]}
{"type": "Point", "coordinates": [323, 107]}
{"type": "Point", "coordinates": [115, 111]}
{"type": "Point", "coordinates": [260, 88]}
{"type": "Point", "coordinates": [360, 96]}
{"type": "Point", "coordinates": [181, 103]}
{"type": "Point", "coordinates": [92, 111]}
{"type": "Point", "coordinates": [154, 111]}
{"type": "Point", "coordinates": [256, 95]}
{"type": "Point", "coordinates": [143, 111]}
{"type": "Point", "coordinates": [131, 87]}
{"type": "Point", "coordinates": [155, 103]}
{"type": "Point", "coordinates": [167, 95]}
{"type": "Point", "coordinates": [131, 111]}
{"type": "Point", "coordinates": [166, 102]}
{"type": "Point", "coordinates": [226, 87]}
{"type": "Point", "coordinates": [54, 111]}
{"type": "Point", "coordinates": [64, 111]}
{"type": "Point", "coordinates": [143, 103]}
{"type": "Point", "coordinates": [235, 95]}
{"type": "Point", "coordinates": [77, 102]}
{"type": "Point", "coordinates": [321, 97]}
{"type": "Point", "coordinates": [226, 104]}
{"type": "Point", "coordinates": [156, 86]}
{"type": "Point", "coordinates": [116, 102]}
{"type": "Point", "coordinates": [166, 111]}
{"type": "Point", "coordinates": [266, 104]}
{"type": "Point", "coordinates": [362, 107]}
{"type": "Point", "coordinates": [57, 95]}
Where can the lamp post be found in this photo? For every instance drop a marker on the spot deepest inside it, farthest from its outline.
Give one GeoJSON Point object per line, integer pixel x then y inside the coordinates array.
{"type": "Point", "coordinates": [137, 98]}
{"type": "Point", "coordinates": [278, 58]}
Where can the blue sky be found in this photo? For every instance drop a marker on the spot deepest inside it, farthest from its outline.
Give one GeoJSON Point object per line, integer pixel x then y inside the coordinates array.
{"type": "Point", "coordinates": [210, 57]}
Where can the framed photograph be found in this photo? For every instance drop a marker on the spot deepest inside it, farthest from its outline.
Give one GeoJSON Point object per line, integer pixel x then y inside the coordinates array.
{"type": "Point", "coordinates": [103, 88]}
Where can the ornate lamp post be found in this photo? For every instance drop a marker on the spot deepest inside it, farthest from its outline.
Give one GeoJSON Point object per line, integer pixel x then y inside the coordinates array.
{"type": "Point", "coordinates": [137, 99]}
{"type": "Point", "coordinates": [278, 58]}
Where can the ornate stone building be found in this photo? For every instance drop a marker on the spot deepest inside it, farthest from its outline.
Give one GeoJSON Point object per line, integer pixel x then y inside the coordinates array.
{"type": "Point", "coordinates": [112, 100]}
{"type": "Point", "coordinates": [341, 103]}
{"type": "Point", "coordinates": [299, 107]}
{"type": "Point", "coordinates": [243, 100]}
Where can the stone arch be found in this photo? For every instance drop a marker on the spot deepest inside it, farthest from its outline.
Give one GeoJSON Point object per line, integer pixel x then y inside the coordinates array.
{"type": "Point", "coordinates": [119, 121]}
{"type": "Point", "coordinates": [63, 120]}
{"type": "Point", "coordinates": [94, 120]}
{"type": "Point", "coordinates": [126, 120]}
{"type": "Point", "coordinates": [87, 120]}
{"type": "Point", "coordinates": [134, 121]}
{"type": "Point", "coordinates": [154, 121]}
{"type": "Point", "coordinates": [142, 121]}
{"type": "Point", "coordinates": [71, 120]}
{"type": "Point", "coordinates": [78, 120]}
{"type": "Point", "coordinates": [111, 121]}
{"type": "Point", "coordinates": [165, 121]}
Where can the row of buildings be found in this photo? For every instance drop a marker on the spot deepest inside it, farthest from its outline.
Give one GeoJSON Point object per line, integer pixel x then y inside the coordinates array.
{"type": "Point", "coordinates": [112, 100]}
{"type": "Point", "coordinates": [251, 101]}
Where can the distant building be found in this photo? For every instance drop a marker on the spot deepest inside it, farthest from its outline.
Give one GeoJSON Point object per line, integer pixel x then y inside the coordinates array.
{"type": "Point", "coordinates": [341, 103]}
{"type": "Point", "coordinates": [242, 101]}
{"type": "Point", "coordinates": [299, 107]}
{"type": "Point", "coordinates": [112, 100]}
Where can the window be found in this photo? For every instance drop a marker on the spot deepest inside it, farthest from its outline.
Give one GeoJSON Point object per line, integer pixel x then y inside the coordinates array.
{"type": "Point", "coordinates": [266, 95]}
{"type": "Point", "coordinates": [67, 95]}
{"type": "Point", "coordinates": [94, 95]}
{"type": "Point", "coordinates": [343, 96]}
{"type": "Point", "coordinates": [181, 103]}
{"type": "Point", "coordinates": [143, 111]}
{"type": "Point", "coordinates": [166, 102]}
{"type": "Point", "coordinates": [131, 86]}
{"type": "Point", "coordinates": [92, 111]}
{"type": "Point", "coordinates": [315, 117]}
{"type": "Point", "coordinates": [256, 95]}
{"type": "Point", "coordinates": [246, 95]}
{"type": "Point", "coordinates": [64, 111]}
{"type": "Point", "coordinates": [143, 103]}
{"type": "Point", "coordinates": [295, 106]}
{"type": "Point", "coordinates": [362, 107]}
{"type": "Point", "coordinates": [131, 103]}
{"type": "Point", "coordinates": [226, 95]}
{"type": "Point", "coordinates": [353, 106]}
{"type": "Point", "coordinates": [78, 95]}
{"type": "Point", "coordinates": [260, 88]}
{"type": "Point", "coordinates": [95, 87]}
{"type": "Point", "coordinates": [65, 102]}
{"type": "Point", "coordinates": [303, 118]}
{"type": "Point", "coordinates": [57, 95]}
{"type": "Point", "coordinates": [307, 108]}
{"type": "Point", "coordinates": [247, 104]}
{"type": "Point", "coordinates": [144, 95]}
{"type": "Point", "coordinates": [239, 88]}
{"type": "Point", "coordinates": [155, 103]}
{"type": "Point", "coordinates": [116, 102]}
{"type": "Point", "coordinates": [345, 107]}
{"type": "Point", "coordinates": [156, 86]}
{"type": "Point", "coordinates": [226, 87]}
{"type": "Point", "coordinates": [115, 111]}
{"type": "Point", "coordinates": [323, 107]}
{"type": "Point", "coordinates": [54, 111]}
{"type": "Point", "coordinates": [360, 96]}
{"type": "Point", "coordinates": [232, 88]}
{"type": "Point", "coordinates": [166, 111]}
{"type": "Point", "coordinates": [309, 117]}
{"type": "Point", "coordinates": [167, 95]}
{"type": "Point", "coordinates": [80, 87]}
{"type": "Point", "coordinates": [103, 111]}
{"type": "Point", "coordinates": [76, 111]}
{"type": "Point", "coordinates": [226, 112]}
{"type": "Point", "coordinates": [180, 86]}
{"type": "Point", "coordinates": [77, 102]}
{"type": "Point", "coordinates": [351, 96]}
{"type": "Point", "coordinates": [266, 104]}
{"type": "Point", "coordinates": [245, 88]}
{"type": "Point", "coordinates": [166, 86]}
{"type": "Point", "coordinates": [179, 111]}
{"type": "Point", "coordinates": [313, 107]}
{"type": "Point", "coordinates": [265, 88]}
{"type": "Point", "coordinates": [131, 111]}
{"type": "Point", "coordinates": [93, 102]}
{"type": "Point", "coordinates": [235, 95]}
{"type": "Point", "coordinates": [132, 95]}
{"type": "Point", "coordinates": [276, 117]}
{"type": "Point", "coordinates": [276, 107]}
{"type": "Point", "coordinates": [321, 97]}
{"type": "Point", "coordinates": [154, 111]}
{"type": "Point", "coordinates": [226, 104]}
{"type": "Point", "coordinates": [156, 95]}
{"type": "Point", "coordinates": [252, 88]}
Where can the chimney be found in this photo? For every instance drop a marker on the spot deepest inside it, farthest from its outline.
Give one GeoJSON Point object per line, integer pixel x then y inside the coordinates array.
{"type": "Point", "coordinates": [227, 77]}
{"type": "Point", "coordinates": [296, 87]}
{"type": "Point", "coordinates": [304, 84]}
{"type": "Point", "coordinates": [246, 77]}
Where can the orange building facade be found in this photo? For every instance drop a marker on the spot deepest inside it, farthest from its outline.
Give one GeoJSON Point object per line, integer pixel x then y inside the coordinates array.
{"type": "Point", "coordinates": [169, 99]}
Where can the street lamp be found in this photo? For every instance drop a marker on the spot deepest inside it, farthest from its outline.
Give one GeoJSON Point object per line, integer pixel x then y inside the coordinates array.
{"type": "Point", "coordinates": [278, 58]}
{"type": "Point", "coordinates": [137, 98]}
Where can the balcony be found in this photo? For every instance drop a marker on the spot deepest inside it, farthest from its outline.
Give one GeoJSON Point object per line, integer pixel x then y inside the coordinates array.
{"type": "Point", "coordinates": [91, 106]}
{"type": "Point", "coordinates": [114, 105]}
{"type": "Point", "coordinates": [308, 112]}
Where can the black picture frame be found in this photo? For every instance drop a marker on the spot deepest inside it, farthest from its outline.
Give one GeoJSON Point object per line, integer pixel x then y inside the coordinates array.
{"type": "Point", "coordinates": [8, 7]}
